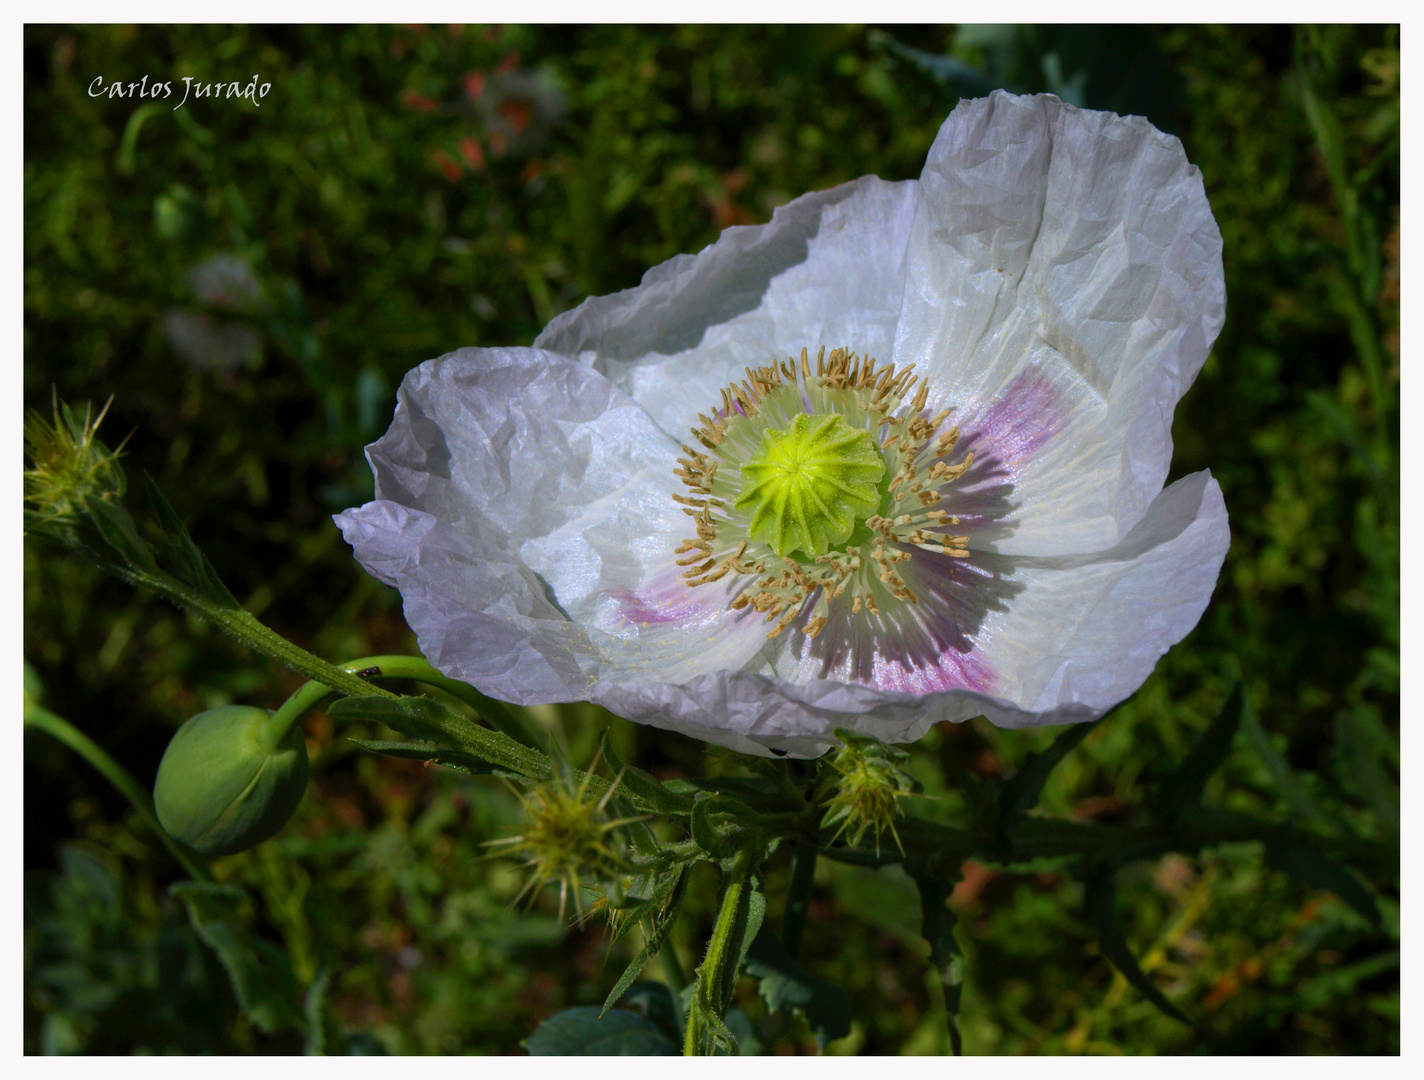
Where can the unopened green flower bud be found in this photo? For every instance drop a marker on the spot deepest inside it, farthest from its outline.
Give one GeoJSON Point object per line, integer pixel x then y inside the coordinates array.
{"type": "Point", "coordinates": [221, 789]}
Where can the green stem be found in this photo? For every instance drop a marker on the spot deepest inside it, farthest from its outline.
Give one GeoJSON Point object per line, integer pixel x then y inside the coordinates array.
{"type": "Point", "coordinates": [241, 624]}
{"type": "Point", "coordinates": [319, 691]}
{"type": "Point", "coordinates": [138, 796]}
{"type": "Point", "coordinates": [798, 896]}
{"type": "Point", "coordinates": [673, 975]}
{"type": "Point", "coordinates": [713, 978]}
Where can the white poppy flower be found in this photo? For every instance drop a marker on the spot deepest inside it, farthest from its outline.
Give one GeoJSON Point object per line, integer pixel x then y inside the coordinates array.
{"type": "Point", "coordinates": [1055, 280]}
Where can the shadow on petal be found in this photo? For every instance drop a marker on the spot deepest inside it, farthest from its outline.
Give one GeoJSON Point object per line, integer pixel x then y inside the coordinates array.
{"type": "Point", "coordinates": [929, 645]}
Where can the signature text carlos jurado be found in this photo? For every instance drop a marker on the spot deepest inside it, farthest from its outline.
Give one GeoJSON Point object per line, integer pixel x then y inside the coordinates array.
{"type": "Point", "coordinates": [254, 91]}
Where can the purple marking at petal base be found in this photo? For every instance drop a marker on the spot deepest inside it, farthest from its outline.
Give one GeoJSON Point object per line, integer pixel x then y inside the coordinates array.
{"type": "Point", "coordinates": [953, 671]}
{"type": "Point", "coordinates": [665, 602]}
{"type": "Point", "coordinates": [1020, 423]}
{"type": "Point", "coordinates": [1003, 436]}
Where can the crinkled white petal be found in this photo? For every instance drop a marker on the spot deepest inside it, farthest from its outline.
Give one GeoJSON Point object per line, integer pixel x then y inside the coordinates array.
{"type": "Point", "coordinates": [1064, 287]}
{"type": "Point", "coordinates": [827, 270]}
{"type": "Point", "coordinates": [1077, 635]}
{"type": "Point", "coordinates": [524, 510]}
{"type": "Point", "coordinates": [1056, 273]}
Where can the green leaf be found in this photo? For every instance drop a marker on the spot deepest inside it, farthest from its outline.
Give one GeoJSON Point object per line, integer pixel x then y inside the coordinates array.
{"type": "Point", "coordinates": [788, 987]}
{"type": "Point", "coordinates": [739, 1026]}
{"type": "Point", "coordinates": [260, 973]}
{"type": "Point", "coordinates": [1334, 985]}
{"type": "Point", "coordinates": [116, 528]}
{"type": "Point", "coordinates": [583, 1032]}
{"type": "Point", "coordinates": [1099, 896]}
{"type": "Point", "coordinates": [743, 934]}
{"type": "Point", "coordinates": [425, 719]}
{"type": "Point", "coordinates": [654, 1000]}
{"type": "Point", "coordinates": [643, 837]}
{"type": "Point", "coordinates": [710, 835]}
{"type": "Point", "coordinates": [1287, 783]}
{"type": "Point", "coordinates": [661, 926]}
{"type": "Point", "coordinates": [937, 928]}
{"type": "Point", "coordinates": [422, 751]}
{"type": "Point", "coordinates": [322, 1034]}
{"type": "Point", "coordinates": [1181, 788]}
{"type": "Point", "coordinates": [645, 895]}
{"type": "Point", "coordinates": [1020, 792]}
{"type": "Point", "coordinates": [175, 548]}
{"type": "Point", "coordinates": [430, 722]}
{"type": "Point", "coordinates": [1289, 852]}
{"type": "Point", "coordinates": [1348, 432]}
{"type": "Point", "coordinates": [640, 785]}
{"type": "Point", "coordinates": [750, 789]}
{"type": "Point", "coordinates": [1364, 754]}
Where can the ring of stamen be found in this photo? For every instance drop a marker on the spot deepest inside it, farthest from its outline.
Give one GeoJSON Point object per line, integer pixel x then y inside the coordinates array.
{"type": "Point", "coordinates": [802, 539]}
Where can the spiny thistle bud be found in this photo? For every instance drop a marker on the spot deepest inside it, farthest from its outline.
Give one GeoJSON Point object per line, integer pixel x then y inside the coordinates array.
{"type": "Point", "coordinates": [864, 786]}
{"type": "Point", "coordinates": [69, 465]}
{"type": "Point", "coordinates": [221, 789]}
{"type": "Point", "coordinates": [567, 838]}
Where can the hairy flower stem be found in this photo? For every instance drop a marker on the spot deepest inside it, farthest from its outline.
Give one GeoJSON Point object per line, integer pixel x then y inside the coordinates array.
{"type": "Point", "coordinates": [798, 894]}
{"type": "Point", "coordinates": [673, 973]}
{"type": "Point", "coordinates": [318, 692]}
{"type": "Point", "coordinates": [717, 974]}
{"type": "Point", "coordinates": [233, 619]}
{"type": "Point", "coordinates": [43, 720]}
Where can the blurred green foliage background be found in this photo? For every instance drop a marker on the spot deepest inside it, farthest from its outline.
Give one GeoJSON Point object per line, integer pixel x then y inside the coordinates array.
{"type": "Point", "coordinates": [250, 283]}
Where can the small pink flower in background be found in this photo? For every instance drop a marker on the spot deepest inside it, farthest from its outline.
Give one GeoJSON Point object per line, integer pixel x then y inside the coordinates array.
{"type": "Point", "coordinates": [471, 152]}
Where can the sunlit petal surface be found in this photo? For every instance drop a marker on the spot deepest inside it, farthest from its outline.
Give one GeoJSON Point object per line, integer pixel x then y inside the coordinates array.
{"type": "Point", "coordinates": [1054, 277]}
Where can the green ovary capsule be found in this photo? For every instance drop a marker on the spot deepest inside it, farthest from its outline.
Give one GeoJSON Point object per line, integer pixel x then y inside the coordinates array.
{"type": "Point", "coordinates": [810, 484]}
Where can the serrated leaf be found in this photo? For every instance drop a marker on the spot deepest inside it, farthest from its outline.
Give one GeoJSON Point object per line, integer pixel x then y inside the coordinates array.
{"type": "Point", "coordinates": [1364, 753]}
{"type": "Point", "coordinates": [1019, 794]}
{"type": "Point", "coordinates": [1099, 903]}
{"type": "Point", "coordinates": [583, 1033]}
{"type": "Point", "coordinates": [642, 835]}
{"type": "Point", "coordinates": [419, 751]}
{"type": "Point", "coordinates": [962, 79]}
{"type": "Point", "coordinates": [175, 548]}
{"type": "Point", "coordinates": [642, 786]}
{"type": "Point", "coordinates": [1287, 783]}
{"type": "Point", "coordinates": [116, 528]}
{"type": "Point", "coordinates": [659, 889]}
{"type": "Point", "coordinates": [744, 932]}
{"type": "Point", "coordinates": [260, 973]}
{"type": "Point", "coordinates": [786, 987]}
{"type": "Point", "coordinates": [750, 789]}
{"type": "Point", "coordinates": [1289, 852]}
{"type": "Point", "coordinates": [1182, 787]}
{"type": "Point", "coordinates": [937, 927]}
{"type": "Point", "coordinates": [662, 925]}
{"type": "Point", "coordinates": [705, 832]}
{"type": "Point", "coordinates": [427, 720]}
{"type": "Point", "coordinates": [168, 520]}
